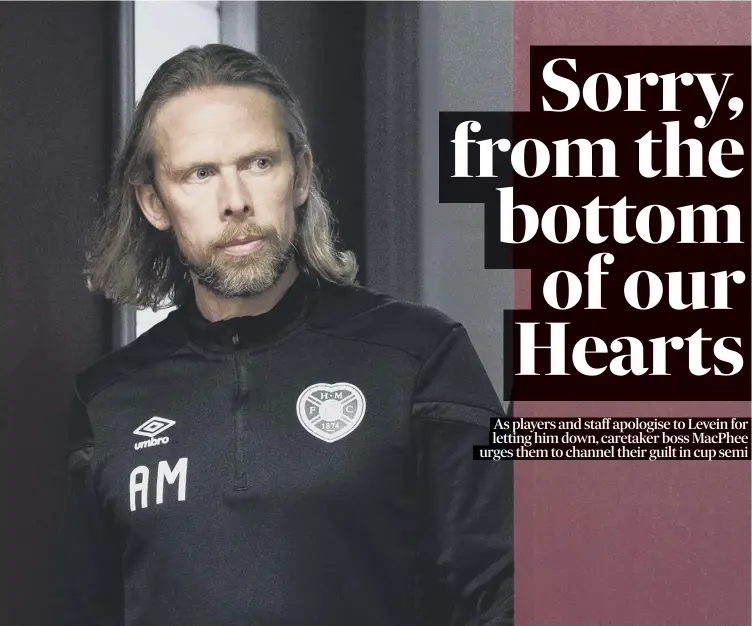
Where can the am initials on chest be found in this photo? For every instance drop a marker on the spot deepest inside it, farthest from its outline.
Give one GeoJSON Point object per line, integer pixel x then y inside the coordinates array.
{"type": "Point", "coordinates": [139, 482]}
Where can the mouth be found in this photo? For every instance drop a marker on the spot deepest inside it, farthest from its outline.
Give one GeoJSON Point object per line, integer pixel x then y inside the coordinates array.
{"type": "Point", "coordinates": [242, 246]}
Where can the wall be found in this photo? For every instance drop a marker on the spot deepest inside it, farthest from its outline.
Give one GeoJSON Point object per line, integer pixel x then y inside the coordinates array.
{"type": "Point", "coordinates": [466, 64]}
{"type": "Point", "coordinates": [55, 105]}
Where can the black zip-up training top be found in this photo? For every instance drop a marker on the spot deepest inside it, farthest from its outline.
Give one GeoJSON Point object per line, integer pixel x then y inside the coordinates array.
{"type": "Point", "coordinates": [311, 466]}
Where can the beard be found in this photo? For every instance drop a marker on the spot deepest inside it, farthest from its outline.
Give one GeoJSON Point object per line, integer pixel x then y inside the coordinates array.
{"type": "Point", "coordinates": [243, 276]}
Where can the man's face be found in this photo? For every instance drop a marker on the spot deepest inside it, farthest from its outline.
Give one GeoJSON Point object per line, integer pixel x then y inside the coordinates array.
{"type": "Point", "coordinates": [227, 185]}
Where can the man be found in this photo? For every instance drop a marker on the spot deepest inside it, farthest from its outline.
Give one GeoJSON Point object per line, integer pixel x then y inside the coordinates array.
{"type": "Point", "coordinates": [286, 448]}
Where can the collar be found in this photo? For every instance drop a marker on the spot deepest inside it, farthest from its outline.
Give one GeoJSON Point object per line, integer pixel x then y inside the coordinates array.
{"type": "Point", "coordinates": [252, 331]}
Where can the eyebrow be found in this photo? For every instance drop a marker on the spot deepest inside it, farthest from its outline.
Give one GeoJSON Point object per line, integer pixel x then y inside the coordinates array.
{"type": "Point", "coordinates": [181, 170]}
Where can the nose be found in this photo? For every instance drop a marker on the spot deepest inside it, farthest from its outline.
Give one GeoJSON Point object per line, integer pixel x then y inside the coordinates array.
{"type": "Point", "coordinates": [234, 198]}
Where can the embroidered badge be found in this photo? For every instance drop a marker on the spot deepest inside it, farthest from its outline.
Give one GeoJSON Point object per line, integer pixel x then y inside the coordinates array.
{"type": "Point", "coordinates": [331, 412]}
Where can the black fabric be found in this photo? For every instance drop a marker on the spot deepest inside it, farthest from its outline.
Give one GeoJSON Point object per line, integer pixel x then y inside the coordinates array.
{"type": "Point", "coordinates": [251, 331]}
{"type": "Point", "coordinates": [271, 500]}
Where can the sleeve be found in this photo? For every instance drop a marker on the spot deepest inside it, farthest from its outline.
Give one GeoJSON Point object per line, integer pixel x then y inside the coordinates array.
{"type": "Point", "coordinates": [466, 551]}
{"type": "Point", "coordinates": [89, 589]}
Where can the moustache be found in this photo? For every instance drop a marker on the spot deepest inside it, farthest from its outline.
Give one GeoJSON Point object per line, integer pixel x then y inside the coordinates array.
{"type": "Point", "coordinates": [247, 232]}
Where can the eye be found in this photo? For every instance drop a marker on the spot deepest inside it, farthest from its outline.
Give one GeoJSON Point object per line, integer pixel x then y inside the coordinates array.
{"type": "Point", "coordinates": [261, 164]}
{"type": "Point", "coordinates": [200, 174]}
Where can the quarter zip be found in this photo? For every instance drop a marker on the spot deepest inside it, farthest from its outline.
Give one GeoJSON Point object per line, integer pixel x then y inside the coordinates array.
{"type": "Point", "coordinates": [240, 477]}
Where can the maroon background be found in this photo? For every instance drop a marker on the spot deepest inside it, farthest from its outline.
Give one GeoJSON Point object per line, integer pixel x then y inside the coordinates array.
{"type": "Point", "coordinates": [628, 543]}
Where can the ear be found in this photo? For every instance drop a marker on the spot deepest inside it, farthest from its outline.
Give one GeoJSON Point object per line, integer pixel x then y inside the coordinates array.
{"type": "Point", "coordinates": [152, 207]}
{"type": "Point", "coordinates": [303, 175]}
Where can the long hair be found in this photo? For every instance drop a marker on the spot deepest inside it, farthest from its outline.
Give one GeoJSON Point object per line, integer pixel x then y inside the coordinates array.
{"type": "Point", "coordinates": [130, 261]}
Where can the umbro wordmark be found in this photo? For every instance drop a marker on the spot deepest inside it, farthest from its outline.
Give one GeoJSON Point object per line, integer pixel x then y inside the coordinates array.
{"type": "Point", "coordinates": [151, 428]}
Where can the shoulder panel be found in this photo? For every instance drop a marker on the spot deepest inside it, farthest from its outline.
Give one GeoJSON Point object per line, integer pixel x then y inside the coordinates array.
{"type": "Point", "coordinates": [362, 314]}
{"type": "Point", "coordinates": [158, 342]}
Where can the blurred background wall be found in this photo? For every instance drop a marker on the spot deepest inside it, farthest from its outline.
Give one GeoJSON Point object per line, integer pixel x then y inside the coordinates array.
{"type": "Point", "coordinates": [466, 64]}
{"type": "Point", "coordinates": [57, 110]}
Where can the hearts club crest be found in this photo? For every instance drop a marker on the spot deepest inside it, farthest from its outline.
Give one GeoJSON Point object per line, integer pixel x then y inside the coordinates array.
{"type": "Point", "coordinates": [331, 412]}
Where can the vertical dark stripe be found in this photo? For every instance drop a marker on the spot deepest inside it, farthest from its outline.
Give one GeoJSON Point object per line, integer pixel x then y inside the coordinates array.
{"type": "Point", "coordinates": [318, 48]}
{"type": "Point", "coordinates": [392, 137]}
{"type": "Point", "coordinates": [124, 317]}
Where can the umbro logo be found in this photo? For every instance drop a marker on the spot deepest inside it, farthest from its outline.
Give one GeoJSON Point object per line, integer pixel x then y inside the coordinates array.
{"type": "Point", "coordinates": [151, 428]}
